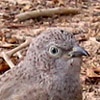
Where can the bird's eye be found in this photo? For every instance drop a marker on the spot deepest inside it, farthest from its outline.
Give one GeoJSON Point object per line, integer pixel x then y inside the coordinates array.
{"type": "Point", "coordinates": [55, 51]}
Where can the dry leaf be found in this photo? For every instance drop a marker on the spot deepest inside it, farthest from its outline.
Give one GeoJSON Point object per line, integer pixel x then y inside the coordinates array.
{"type": "Point", "coordinates": [3, 67]}
{"type": "Point", "coordinates": [90, 73]}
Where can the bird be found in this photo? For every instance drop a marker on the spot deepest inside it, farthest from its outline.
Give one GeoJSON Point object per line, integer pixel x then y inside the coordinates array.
{"type": "Point", "coordinates": [50, 70]}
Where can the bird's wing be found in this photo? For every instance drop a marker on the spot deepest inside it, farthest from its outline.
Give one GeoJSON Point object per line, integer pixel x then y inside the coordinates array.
{"type": "Point", "coordinates": [12, 87]}
{"type": "Point", "coordinates": [23, 92]}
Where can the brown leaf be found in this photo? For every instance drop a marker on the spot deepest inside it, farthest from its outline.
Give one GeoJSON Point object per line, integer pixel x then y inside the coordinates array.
{"type": "Point", "coordinates": [59, 2]}
{"type": "Point", "coordinates": [3, 67]}
{"type": "Point", "coordinates": [97, 69]}
{"type": "Point", "coordinates": [90, 73]}
{"type": "Point", "coordinates": [12, 40]}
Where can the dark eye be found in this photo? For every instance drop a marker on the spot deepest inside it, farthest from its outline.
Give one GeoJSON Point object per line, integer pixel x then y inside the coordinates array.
{"type": "Point", "coordinates": [55, 51]}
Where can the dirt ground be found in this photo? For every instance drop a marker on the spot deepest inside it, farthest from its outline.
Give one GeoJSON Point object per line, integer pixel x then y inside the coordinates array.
{"type": "Point", "coordinates": [85, 25]}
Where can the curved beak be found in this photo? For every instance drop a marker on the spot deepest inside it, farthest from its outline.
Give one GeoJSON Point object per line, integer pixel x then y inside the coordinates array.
{"type": "Point", "coordinates": [78, 52]}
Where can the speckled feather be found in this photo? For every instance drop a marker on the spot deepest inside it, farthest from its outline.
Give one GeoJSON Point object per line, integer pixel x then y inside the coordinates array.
{"type": "Point", "coordinates": [42, 77]}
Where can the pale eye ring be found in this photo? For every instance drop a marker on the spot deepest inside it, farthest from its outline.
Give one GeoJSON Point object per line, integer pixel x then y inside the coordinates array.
{"type": "Point", "coordinates": [55, 51]}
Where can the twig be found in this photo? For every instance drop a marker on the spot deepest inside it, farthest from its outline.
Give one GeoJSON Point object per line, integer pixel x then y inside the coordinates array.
{"type": "Point", "coordinates": [26, 43]}
{"type": "Point", "coordinates": [7, 59]}
{"type": "Point", "coordinates": [6, 55]}
{"type": "Point", "coordinates": [47, 13]}
{"type": "Point", "coordinates": [6, 45]}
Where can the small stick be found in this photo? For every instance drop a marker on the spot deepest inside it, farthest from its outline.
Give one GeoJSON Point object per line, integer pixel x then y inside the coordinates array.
{"type": "Point", "coordinates": [26, 43]}
{"type": "Point", "coordinates": [6, 55]}
{"type": "Point", "coordinates": [47, 13]}
{"type": "Point", "coordinates": [7, 59]}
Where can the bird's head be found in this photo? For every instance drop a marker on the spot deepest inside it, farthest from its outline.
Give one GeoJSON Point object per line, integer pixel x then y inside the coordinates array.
{"type": "Point", "coordinates": [55, 50]}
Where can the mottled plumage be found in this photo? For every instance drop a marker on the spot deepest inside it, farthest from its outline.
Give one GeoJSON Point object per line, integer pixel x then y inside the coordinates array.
{"type": "Point", "coordinates": [50, 70]}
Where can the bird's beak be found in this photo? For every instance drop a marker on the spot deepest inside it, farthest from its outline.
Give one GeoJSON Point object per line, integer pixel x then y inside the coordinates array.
{"type": "Point", "coordinates": [78, 52]}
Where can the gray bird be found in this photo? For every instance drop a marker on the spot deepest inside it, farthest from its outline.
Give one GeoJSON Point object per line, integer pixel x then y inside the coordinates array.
{"type": "Point", "coordinates": [50, 70]}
